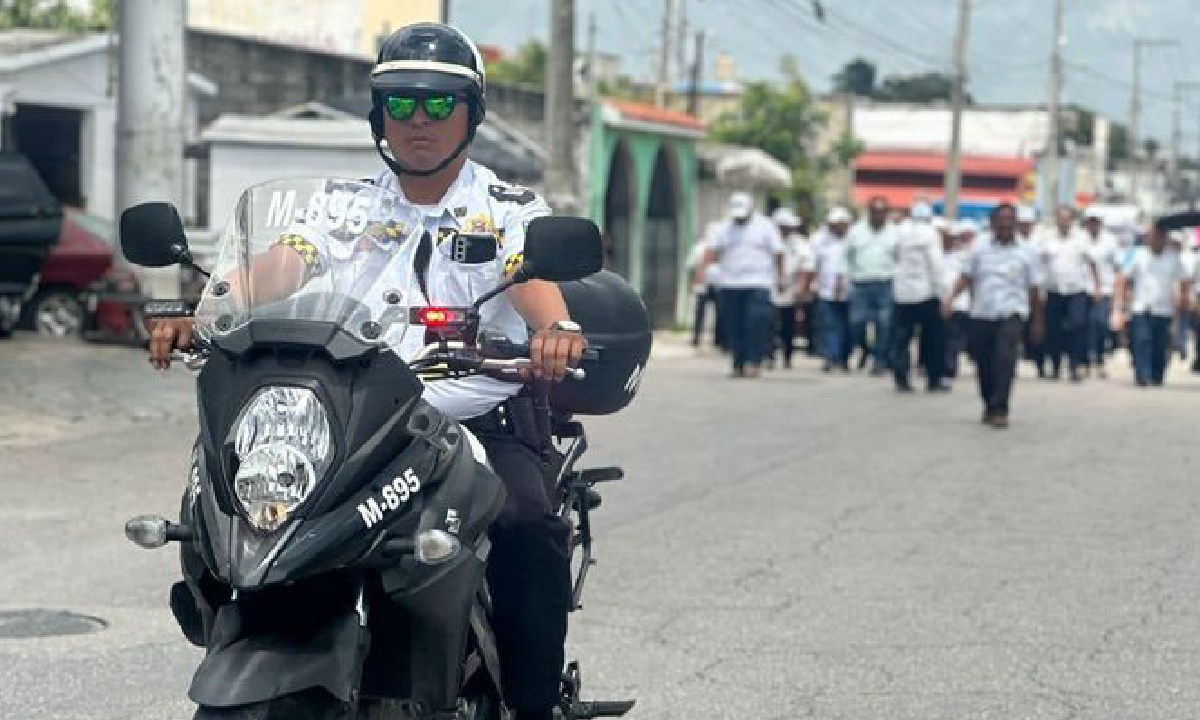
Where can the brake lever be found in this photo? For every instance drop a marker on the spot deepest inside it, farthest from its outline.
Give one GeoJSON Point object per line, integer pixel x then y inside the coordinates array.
{"type": "Point", "coordinates": [190, 360]}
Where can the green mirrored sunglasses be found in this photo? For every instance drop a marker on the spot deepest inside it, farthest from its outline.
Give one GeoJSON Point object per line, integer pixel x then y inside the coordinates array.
{"type": "Point", "coordinates": [437, 107]}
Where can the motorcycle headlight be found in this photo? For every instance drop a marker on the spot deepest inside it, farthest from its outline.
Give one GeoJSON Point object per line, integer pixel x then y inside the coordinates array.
{"type": "Point", "coordinates": [284, 448]}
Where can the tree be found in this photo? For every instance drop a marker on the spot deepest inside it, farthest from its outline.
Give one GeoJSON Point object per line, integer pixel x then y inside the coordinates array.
{"type": "Point", "coordinates": [857, 77]}
{"type": "Point", "coordinates": [56, 16]}
{"type": "Point", "coordinates": [780, 121]}
{"type": "Point", "coordinates": [527, 67]}
{"type": "Point", "coordinates": [924, 88]}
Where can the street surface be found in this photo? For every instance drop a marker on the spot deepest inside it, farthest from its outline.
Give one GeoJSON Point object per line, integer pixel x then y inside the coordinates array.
{"type": "Point", "coordinates": [799, 546]}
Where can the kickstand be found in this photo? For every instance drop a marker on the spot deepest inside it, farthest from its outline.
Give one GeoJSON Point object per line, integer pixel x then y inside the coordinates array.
{"type": "Point", "coordinates": [572, 708]}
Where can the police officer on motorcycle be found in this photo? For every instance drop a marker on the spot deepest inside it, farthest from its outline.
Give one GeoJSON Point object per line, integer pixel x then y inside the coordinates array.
{"type": "Point", "coordinates": [428, 95]}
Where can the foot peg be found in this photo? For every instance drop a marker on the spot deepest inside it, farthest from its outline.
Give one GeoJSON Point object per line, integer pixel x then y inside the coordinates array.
{"type": "Point", "coordinates": [601, 709]}
{"type": "Point", "coordinates": [572, 708]}
{"type": "Point", "coordinates": [592, 476]}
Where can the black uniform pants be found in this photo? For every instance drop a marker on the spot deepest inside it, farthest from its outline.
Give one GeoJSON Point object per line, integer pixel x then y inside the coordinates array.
{"type": "Point", "coordinates": [927, 315]}
{"type": "Point", "coordinates": [994, 345]}
{"type": "Point", "coordinates": [1066, 330]}
{"type": "Point", "coordinates": [529, 574]}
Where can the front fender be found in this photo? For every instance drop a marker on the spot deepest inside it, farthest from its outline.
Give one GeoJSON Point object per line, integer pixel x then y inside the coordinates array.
{"type": "Point", "coordinates": [253, 658]}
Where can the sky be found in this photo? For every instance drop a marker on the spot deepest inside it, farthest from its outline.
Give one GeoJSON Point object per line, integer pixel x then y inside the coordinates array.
{"type": "Point", "coordinates": [1009, 44]}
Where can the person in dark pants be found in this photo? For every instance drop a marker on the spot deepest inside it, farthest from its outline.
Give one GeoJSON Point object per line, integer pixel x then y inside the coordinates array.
{"type": "Point", "coordinates": [871, 266]}
{"type": "Point", "coordinates": [957, 242]}
{"type": "Point", "coordinates": [826, 280]}
{"type": "Point", "coordinates": [1105, 259]}
{"type": "Point", "coordinates": [786, 297]}
{"type": "Point", "coordinates": [917, 286]}
{"type": "Point", "coordinates": [705, 295]}
{"type": "Point", "coordinates": [751, 256]}
{"type": "Point", "coordinates": [1149, 288]}
{"type": "Point", "coordinates": [529, 578]}
{"type": "Point", "coordinates": [1003, 279]}
{"type": "Point", "coordinates": [1070, 274]}
{"type": "Point", "coordinates": [428, 99]}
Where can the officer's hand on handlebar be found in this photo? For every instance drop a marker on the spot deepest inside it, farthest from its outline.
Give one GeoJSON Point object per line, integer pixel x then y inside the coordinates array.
{"type": "Point", "coordinates": [167, 334]}
{"type": "Point", "coordinates": [552, 351]}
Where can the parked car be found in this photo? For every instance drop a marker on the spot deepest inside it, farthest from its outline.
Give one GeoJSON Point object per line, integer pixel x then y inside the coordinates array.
{"type": "Point", "coordinates": [30, 222]}
{"type": "Point", "coordinates": [85, 287]}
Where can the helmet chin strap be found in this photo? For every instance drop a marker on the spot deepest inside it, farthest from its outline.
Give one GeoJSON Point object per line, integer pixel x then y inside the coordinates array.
{"type": "Point", "coordinates": [395, 166]}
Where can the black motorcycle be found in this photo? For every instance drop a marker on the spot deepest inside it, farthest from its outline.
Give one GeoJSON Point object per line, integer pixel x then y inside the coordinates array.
{"type": "Point", "coordinates": [335, 527]}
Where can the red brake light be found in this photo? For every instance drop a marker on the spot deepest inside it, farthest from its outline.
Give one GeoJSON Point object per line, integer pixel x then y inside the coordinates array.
{"type": "Point", "coordinates": [433, 316]}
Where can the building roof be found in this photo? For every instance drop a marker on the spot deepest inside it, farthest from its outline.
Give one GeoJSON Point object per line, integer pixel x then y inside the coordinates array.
{"type": "Point", "coordinates": [932, 162]}
{"type": "Point", "coordinates": [22, 49]}
{"type": "Point", "coordinates": [995, 132]}
{"type": "Point", "coordinates": [640, 116]}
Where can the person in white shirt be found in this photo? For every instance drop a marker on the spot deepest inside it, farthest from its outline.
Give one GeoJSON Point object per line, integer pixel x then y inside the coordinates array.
{"type": "Point", "coordinates": [832, 289]}
{"type": "Point", "coordinates": [871, 265]}
{"type": "Point", "coordinates": [1148, 289]}
{"type": "Point", "coordinates": [706, 293]}
{"type": "Point", "coordinates": [1105, 254]}
{"type": "Point", "coordinates": [917, 288]}
{"type": "Point", "coordinates": [786, 296]}
{"type": "Point", "coordinates": [750, 252]}
{"type": "Point", "coordinates": [1195, 314]}
{"type": "Point", "coordinates": [1026, 224]}
{"type": "Point", "coordinates": [1070, 273]}
{"type": "Point", "coordinates": [1003, 278]}
{"type": "Point", "coordinates": [957, 242]}
{"type": "Point", "coordinates": [1177, 245]}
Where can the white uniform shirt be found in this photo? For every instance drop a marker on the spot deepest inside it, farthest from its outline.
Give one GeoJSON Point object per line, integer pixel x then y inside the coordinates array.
{"type": "Point", "coordinates": [871, 254]}
{"type": "Point", "coordinates": [712, 271]}
{"type": "Point", "coordinates": [797, 258]}
{"type": "Point", "coordinates": [1065, 262]}
{"type": "Point", "coordinates": [747, 252]}
{"type": "Point", "coordinates": [1154, 279]}
{"type": "Point", "coordinates": [1105, 253]}
{"type": "Point", "coordinates": [918, 263]}
{"type": "Point", "coordinates": [954, 264]}
{"type": "Point", "coordinates": [830, 255]}
{"type": "Point", "coordinates": [1001, 277]}
{"type": "Point", "coordinates": [479, 203]}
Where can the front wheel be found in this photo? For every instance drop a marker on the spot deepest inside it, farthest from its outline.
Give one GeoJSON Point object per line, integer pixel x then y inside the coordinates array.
{"type": "Point", "coordinates": [56, 314]}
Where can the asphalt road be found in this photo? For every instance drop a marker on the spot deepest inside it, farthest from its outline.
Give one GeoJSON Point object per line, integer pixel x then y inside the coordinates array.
{"type": "Point", "coordinates": [797, 546]}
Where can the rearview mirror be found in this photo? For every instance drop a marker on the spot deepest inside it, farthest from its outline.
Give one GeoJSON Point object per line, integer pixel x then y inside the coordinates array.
{"type": "Point", "coordinates": [560, 248]}
{"type": "Point", "coordinates": [152, 236]}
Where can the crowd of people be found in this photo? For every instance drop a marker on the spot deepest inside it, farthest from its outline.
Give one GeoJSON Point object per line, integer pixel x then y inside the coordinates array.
{"type": "Point", "coordinates": [1064, 294]}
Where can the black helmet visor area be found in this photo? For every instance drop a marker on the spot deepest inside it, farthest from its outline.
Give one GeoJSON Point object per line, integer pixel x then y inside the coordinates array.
{"type": "Point", "coordinates": [422, 80]}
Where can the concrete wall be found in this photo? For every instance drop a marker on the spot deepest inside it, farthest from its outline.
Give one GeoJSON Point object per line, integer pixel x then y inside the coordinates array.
{"type": "Point", "coordinates": [257, 78]}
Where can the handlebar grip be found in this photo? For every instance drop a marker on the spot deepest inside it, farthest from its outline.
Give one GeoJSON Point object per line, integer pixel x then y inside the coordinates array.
{"type": "Point", "coordinates": [503, 348]}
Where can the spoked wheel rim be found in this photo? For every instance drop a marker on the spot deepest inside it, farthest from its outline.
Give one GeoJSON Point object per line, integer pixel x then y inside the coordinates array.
{"type": "Point", "coordinates": [59, 316]}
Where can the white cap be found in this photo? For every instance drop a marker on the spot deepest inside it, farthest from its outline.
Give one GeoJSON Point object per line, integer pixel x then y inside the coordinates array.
{"type": "Point", "coordinates": [962, 227]}
{"type": "Point", "coordinates": [784, 217]}
{"type": "Point", "coordinates": [839, 215]}
{"type": "Point", "coordinates": [1026, 214]}
{"type": "Point", "coordinates": [741, 206]}
{"type": "Point", "coordinates": [1093, 213]}
{"type": "Point", "coordinates": [921, 211]}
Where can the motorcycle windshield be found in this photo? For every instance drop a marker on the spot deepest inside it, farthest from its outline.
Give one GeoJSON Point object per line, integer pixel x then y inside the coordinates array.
{"type": "Point", "coordinates": [318, 250]}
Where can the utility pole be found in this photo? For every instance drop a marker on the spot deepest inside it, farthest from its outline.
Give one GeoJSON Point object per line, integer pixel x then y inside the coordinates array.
{"type": "Point", "coordinates": [1135, 108]}
{"type": "Point", "coordinates": [150, 114]}
{"type": "Point", "coordinates": [1054, 191]}
{"type": "Point", "coordinates": [693, 106]}
{"type": "Point", "coordinates": [670, 12]}
{"type": "Point", "coordinates": [560, 109]}
{"type": "Point", "coordinates": [593, 77]}
{"type": "Point", "coordinates": [681, 38]}
{"type": "Point", "coordinates": [446, 11]}
{"type": "Point", "coordinates": [1177, 130]}
{"type": "Point", "coordinates": [954, 159]}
